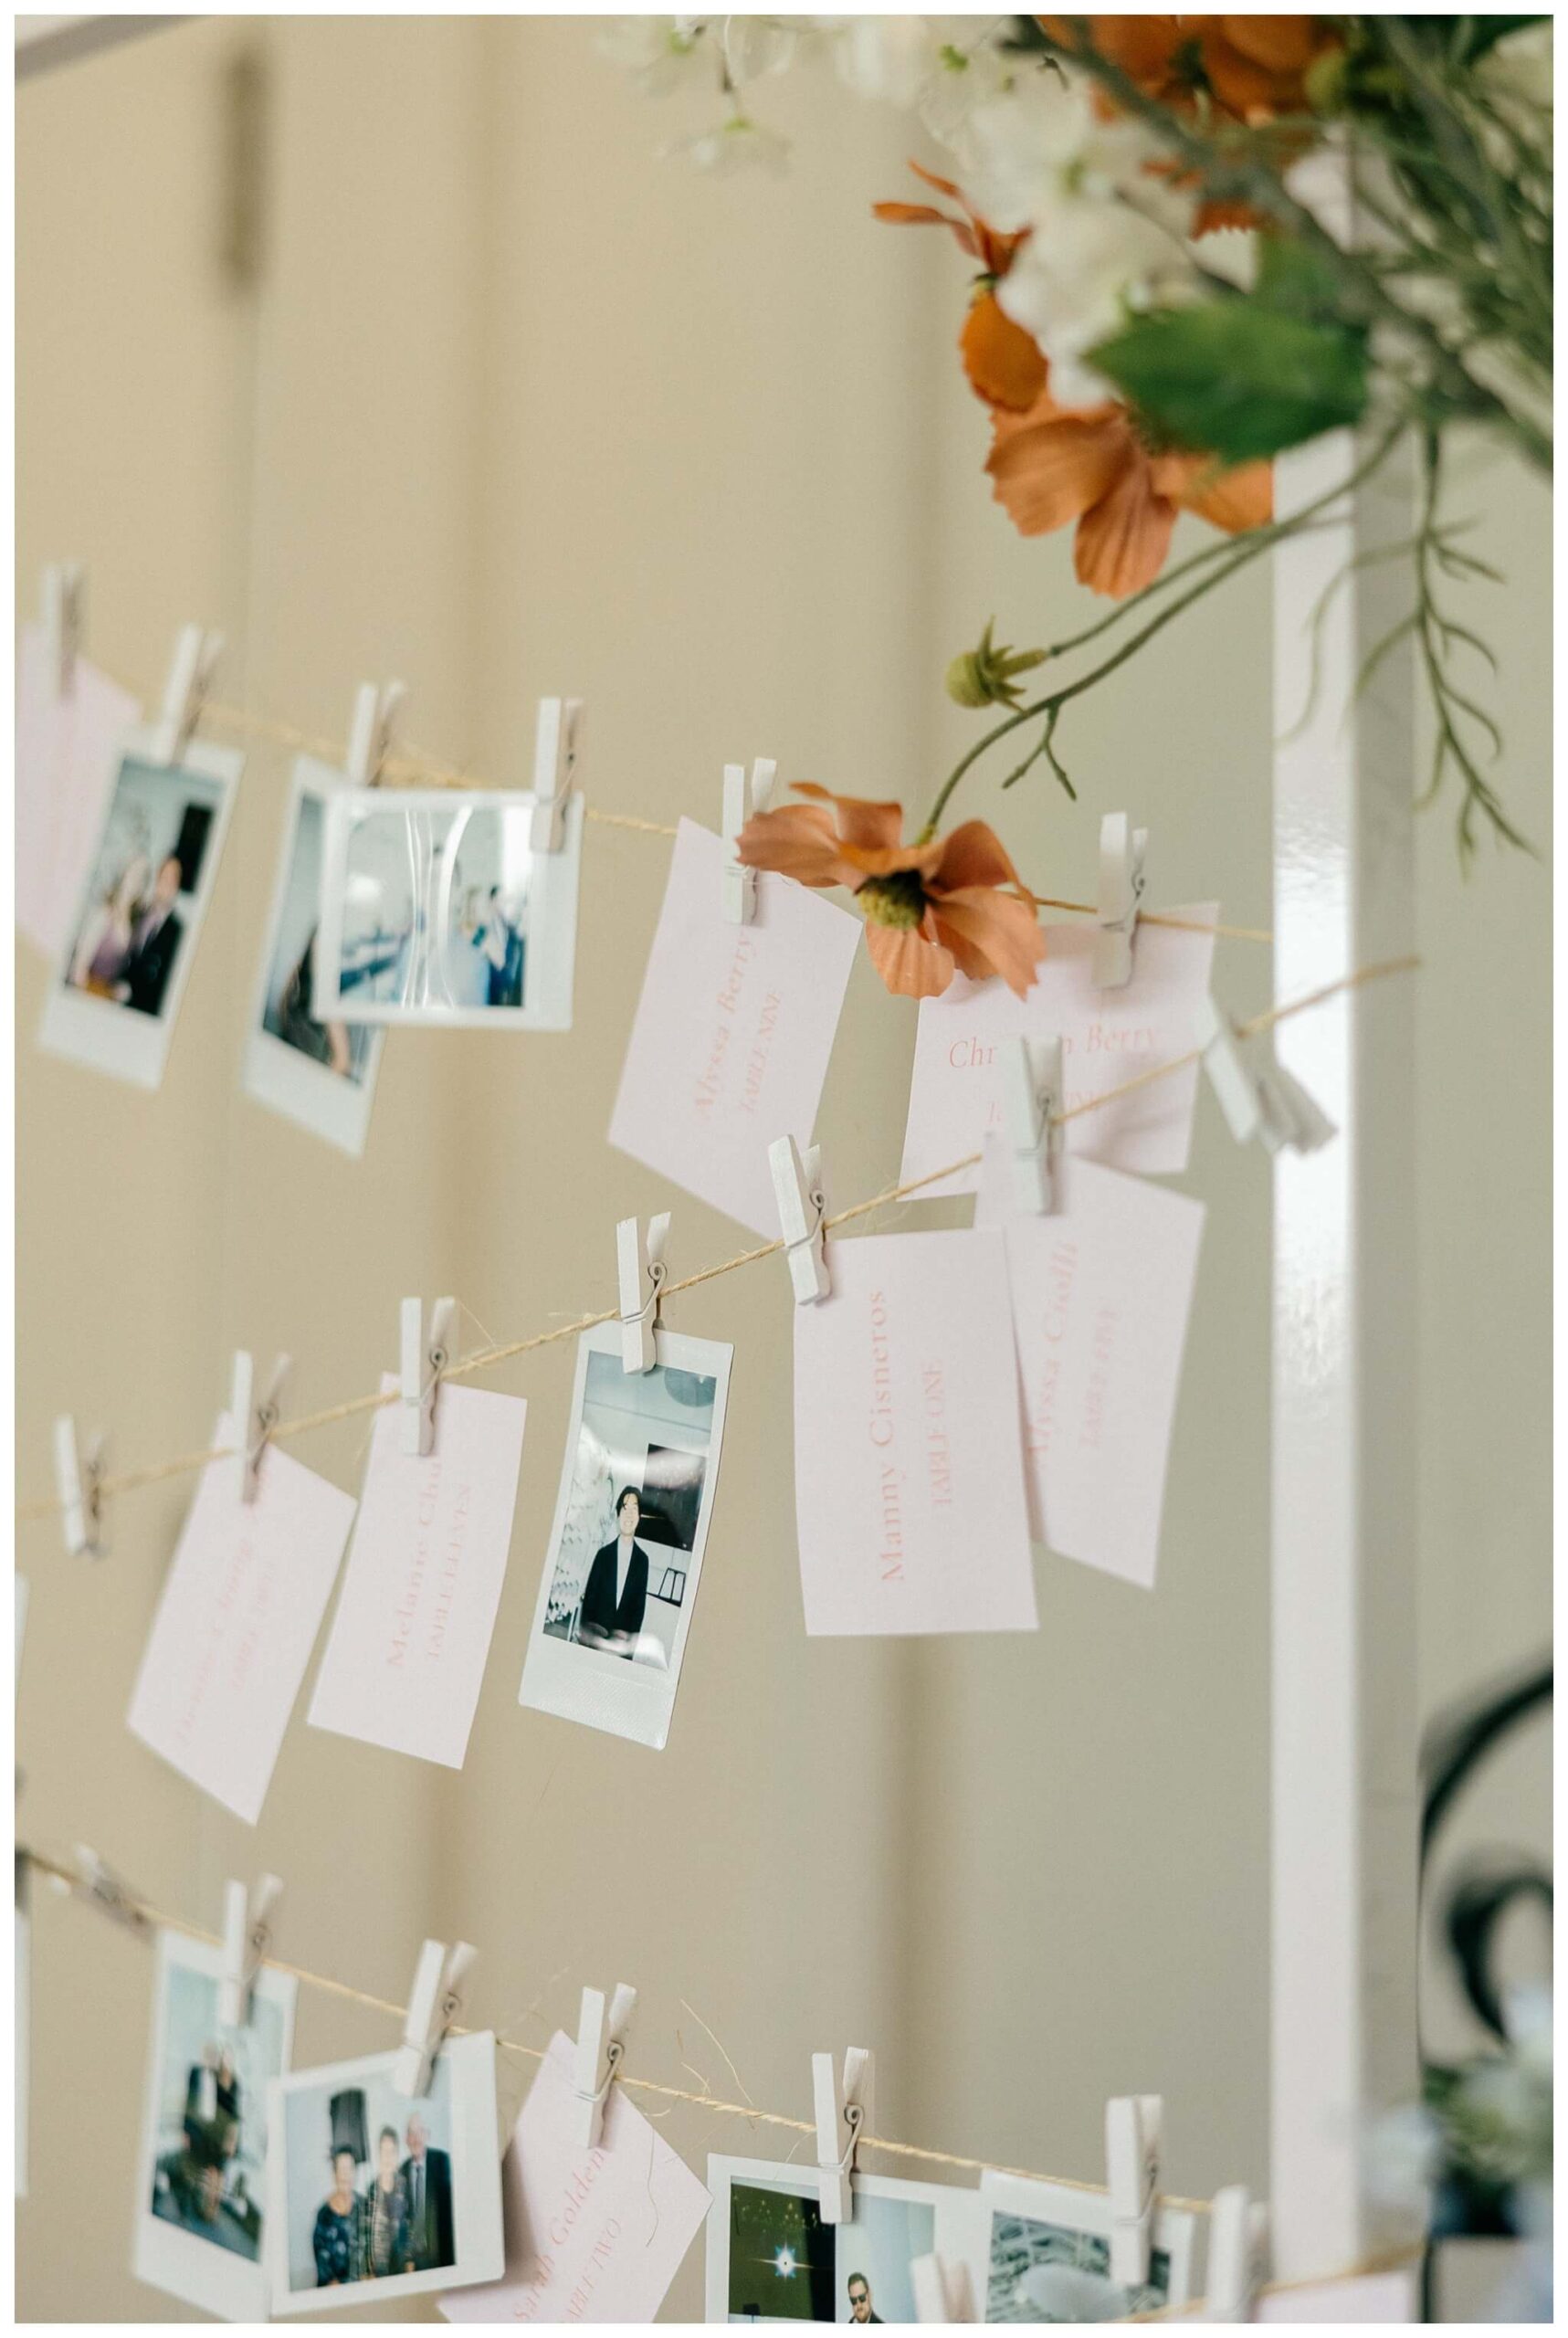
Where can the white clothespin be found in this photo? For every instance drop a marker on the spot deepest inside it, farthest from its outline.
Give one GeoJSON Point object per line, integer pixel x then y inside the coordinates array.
{"type": "Point", "coordinates": [1121, 851]}
{"type": "Point", "coordinates": [253, 1423]}
{"type": "Point", "coordinates": [99, 1885]}
{"type": "Point", "coordinates": [801, 1209]}
{"type": "Point", "coordinates": [61, 606]}
{"type": "Point", "coordinates": [557, 748]}
{"type": "Point", "coordinates": [1262, 1101]}
{"type": "Point", "coordinates": [1031, 1073]}
{"type": "Point", "coordinates": [1132, 2179]}
{"type": "Point", "coordinates": [843, 2114]}
{"type": "Point", "coordinates": [434, 2006]}
{"type": "Point", "coordinates": [247, 1937]}
{"type": "Point", "coordinates": [196, 652]}
{"type": "Point", "coordinates": [600, 2050]}
{"type": "Point", "coordinates": [377, 706]}
{"type": "Point", "coordinates": [640, 1262]}
{"type": "Point", "coordinates": [743, 796]}
{"type": "Point", "coordinates": [941, 2290]}
{"type": "Point", "coordinates": [1239, 2231]}
{"type": "Point", "coordinates": [422, 1361]}
{"type": "Point", "coordinates": [78, 1479]}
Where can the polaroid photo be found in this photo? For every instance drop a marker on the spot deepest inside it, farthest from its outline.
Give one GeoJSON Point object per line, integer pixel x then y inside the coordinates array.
{"type": "Point", "coordinates": [437, 909]}
{"type": "Point", "coordinates": [201, 2190]}
{"type": "Point", "coordinates": [631, 1524]}
{"type": "Point", "coordinates": [120, 981]}
{"type": "Point", "coordinates": [322, 1075]}
{"type": "Point", "coordinates": [1048, 2256]}
{"type": "Point", "coordinates": [372, 2193]}
{"type": "Point", "coordinates": [772, 2259]}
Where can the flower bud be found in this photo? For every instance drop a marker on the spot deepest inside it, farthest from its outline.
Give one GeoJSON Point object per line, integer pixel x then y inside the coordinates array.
{"type": "Point", "coordinates": [984, 675]}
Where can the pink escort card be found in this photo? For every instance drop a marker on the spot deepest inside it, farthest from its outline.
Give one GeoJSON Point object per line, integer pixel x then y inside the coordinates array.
{"type": "Point", "coordinates": [408, 1643]}
{"type": "Point", "coordinates": [1108, 1036]}
{"type": "Point", "coordinates": [733, 1031]}
{"type": "Point", "coordinates": [591, 2236]}
{"type": "Point", "coordinates": [908, 1464]}
{"type": "Point", "coordinates": [67, 755]}
{"type": "Point", "coordinates": [242, 1603]}
{"type": "Point", "coordinates": [1102, 1288]}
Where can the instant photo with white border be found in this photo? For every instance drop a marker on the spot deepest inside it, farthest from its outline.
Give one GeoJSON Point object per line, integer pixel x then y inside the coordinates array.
{"type": "Point", "coordinates": [1071, 2227]}
{"type": "Point", "coordinates": [442, 952]}
{"type": "Point", "coordinates": [181, 2136]}
{"type": "Point", "coordinates": [323, 1078]}
{"type": "Point", "coordinates": [120, 941]}
{"type": "Point", "coordinates": [894, 2222]}
{"type": "Point", "coordinates": [610, 1625]}
{"type": "Point", "coordinates": [314, 2122]}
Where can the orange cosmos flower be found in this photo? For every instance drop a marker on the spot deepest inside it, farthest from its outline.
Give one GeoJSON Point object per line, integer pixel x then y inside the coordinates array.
{"type": "Point", "coordinates": [1003, 361]}
{"type": "Point", "coordinates": [1247, 70]}
{"type": "Point", "coordinates": [1057, 464]}
{"type": "Point", "coordinates": [929, 907]}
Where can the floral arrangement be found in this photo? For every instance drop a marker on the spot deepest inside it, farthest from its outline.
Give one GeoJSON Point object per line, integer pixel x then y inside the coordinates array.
{"type": "Point", "coordinates": [1160, 305]}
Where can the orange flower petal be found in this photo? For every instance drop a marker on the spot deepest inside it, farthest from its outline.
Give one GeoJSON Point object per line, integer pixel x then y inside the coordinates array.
{"type": "Point", "coordinates": [1122, 543]}
{"type": "Point", "coordinates": [926, 215]}
{"type": "Point", "coordinates": [990, 933]}
{"type": "Point", "coordinates": [1234, 499]}
{"type": "Point", "coordinates": [944, 186]}
{"type": "Point", "coordinates": [875, 827]}
{"type": "Point", "coordinates": [886, 861]}
{"type": "Point", "coordinates": [972, 854]}
{"type": "Point", "coordinates": [1279, 44]}
{"type": "Point", "coordinates": [1058, 469]}
{"type": "Point", "coordinates": [799, 842]}
{"type": "Point", "coordinates": [911, 966]}
{"type": "Point", "coordinates": [1003, 361]}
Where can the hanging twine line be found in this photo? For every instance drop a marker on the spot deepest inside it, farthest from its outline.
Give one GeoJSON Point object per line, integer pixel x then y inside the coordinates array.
{"type": "Point", "coordinates": [486, 1359]}
{"type": "Point", "coordinates": [415, 767]}
{"type": "Point", "coordinates": [1391, 2261]}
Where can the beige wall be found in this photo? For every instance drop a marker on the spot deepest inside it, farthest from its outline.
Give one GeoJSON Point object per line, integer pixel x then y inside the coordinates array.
{"type": "Point", "coordinates": [516, 408]}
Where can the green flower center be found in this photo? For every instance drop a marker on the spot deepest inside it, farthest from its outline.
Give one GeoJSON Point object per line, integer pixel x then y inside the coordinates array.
{"type": "Point", "coordinates": [898, 899]}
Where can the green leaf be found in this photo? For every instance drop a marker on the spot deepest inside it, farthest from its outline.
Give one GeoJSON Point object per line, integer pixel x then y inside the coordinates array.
{"type": "Point", "coordinates": [1236, 379]}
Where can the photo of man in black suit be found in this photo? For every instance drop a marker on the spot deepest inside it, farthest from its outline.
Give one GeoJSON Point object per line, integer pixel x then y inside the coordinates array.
{"type": "Point", "coordinates": [426, 2178]}
{"type": "Point", "coordinates": [615, 1596]}
{"type": "Point", "coordinates": [156, 941]}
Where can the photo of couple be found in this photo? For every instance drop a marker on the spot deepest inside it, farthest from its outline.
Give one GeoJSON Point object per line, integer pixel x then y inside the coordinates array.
{"type": "Point", "coordinates": [203, 2142]}
{"type": "Point", "coordinates": [138, 909]}
{"type": "Point", "coordinates": [386, 2218]}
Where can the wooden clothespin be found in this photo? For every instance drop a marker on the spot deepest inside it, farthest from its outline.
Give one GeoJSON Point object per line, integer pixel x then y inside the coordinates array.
{"type": "Point", "coordinates": [422, 1358]}
{"type": "Point", "coordinates": [941, 2290]}
{"type": "Point", "coordinates": [743, 797]}
{"type": "Point", "coordinates": [79, 1482]}
{"type": "Point", "coordinates": [1239, 2235]}
{"type": "Point", "coordinates": [247, 1937]}
{"type": "Point", "coordinates": [103, 1890]}
{"type": "Point", "coordinates": [557, 750]}
{"type": "Point", "coordinates": [197, 653]}
{"type": "Point", "coordinates": [434, 2006]}
{"type": "Point", "coordinates": [62, 610]}
{"type": "Point", "coordinates": [600, 2050]}
{"type": "Point", "coordinates": [1031, 1074]}
{"type": "Point", "coordinates": [1121, 851]}
{"type": "Point", "coordinates": [253, 1423]}
{"type": "Point", "coordinates": [377, 707]}
{"type": "Point", "coordinates": [803, 1207]}
{"type": "Point", "coordinates": [843, 2114]}
{"type": "Point", "coordinates": [1259, 1099]}
{"type": "Point", "coordinates": [640, 1262]}
{"type": "Point", "coordinates": [1132, 2179]}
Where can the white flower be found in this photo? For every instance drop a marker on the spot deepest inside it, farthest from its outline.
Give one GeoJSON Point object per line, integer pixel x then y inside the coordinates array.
{"type": "Point", "coordinates": [661, 53]}
{"type": "Point", "coordinates": [757, 46]}
{"type": "Point", "coordinates": [1105, 238]}
{"type": "Point", "coordinates": [730, 146]}
{"type": "Point", "coordinates": [940, 66]}
{"type": "Point", "coordinates": [1520, 66]}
